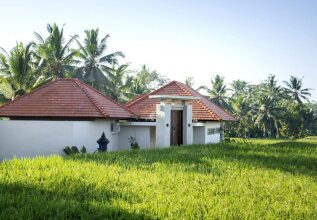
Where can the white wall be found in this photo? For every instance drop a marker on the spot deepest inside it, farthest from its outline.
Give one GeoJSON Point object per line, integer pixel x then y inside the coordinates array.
{"type": "Point", "coordinates": [31, 138]}
{"type": "Point", "coordinates": [163, 125]}
{"type": "Point", "coordinates": [214, 138]}
{"type": "Point", "coordinates": [199, 135]}
{"type": "Point", "coordinates": [141, 133]}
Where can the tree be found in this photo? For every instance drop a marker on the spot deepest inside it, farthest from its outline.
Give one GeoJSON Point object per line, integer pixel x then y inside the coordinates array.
{"type": "Point", "coordinates": [55, 59]}
{"type": "Point", "coordinates": [298, 121]}
{"type": "Point", "coordinates": [294, 88]}
{"type": "Point", "coordinates": [151, 78]}
{"type": "Point", "coordinates": [218, 93]}
{"type": "Point", "coordinates": [17, 70]}
{"type": "Point", "coordinates": [136, 87]}
{"type": "Point", "coordinates": [5, 91]}
{"type": "Point", "coordinates": [145, 81]}
{"type": "Point", "coordinates": [117, 86]}
{"type": "Point", "coordinates": [189, 81]}
{"type": "Point", "coordinates": [242, 111]}
{"type": "Point", "coordinates": [269, 87]}
{"type": "Point", "coordinates": [238, 87]}
{"type": "Point", "coordinates": [94, 63]}
{"type": "Point", "coordinates": [267, 115]}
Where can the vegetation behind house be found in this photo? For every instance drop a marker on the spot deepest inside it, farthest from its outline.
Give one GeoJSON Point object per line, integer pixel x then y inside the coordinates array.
{"type": "Point", "coordinates": [268, 109]}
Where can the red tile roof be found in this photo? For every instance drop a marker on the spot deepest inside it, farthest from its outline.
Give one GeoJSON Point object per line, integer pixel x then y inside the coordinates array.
{"type": "Point", "coordinates": [203, 109]}
{"type": "Point", "coordinates": [69, 98]}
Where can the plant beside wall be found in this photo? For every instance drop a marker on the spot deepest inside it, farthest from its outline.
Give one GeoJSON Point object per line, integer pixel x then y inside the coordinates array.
{"type": "Point", "coordinates": [134, 144]}
{"type": "Point", "coordinates": [74, 150]}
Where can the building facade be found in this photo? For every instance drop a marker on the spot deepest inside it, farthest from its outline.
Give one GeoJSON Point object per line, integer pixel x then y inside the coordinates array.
{"type": "Point", "coordinates": [67, 112]}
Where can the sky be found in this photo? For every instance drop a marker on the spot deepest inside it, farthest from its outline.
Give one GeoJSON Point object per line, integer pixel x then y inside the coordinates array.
{"type": "Point", "coordinates": [245, 40]}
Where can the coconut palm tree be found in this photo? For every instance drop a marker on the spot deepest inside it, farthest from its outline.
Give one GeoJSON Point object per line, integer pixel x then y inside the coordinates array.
{"type": "Point", "coordinates": [55, 58]}
{"type": "Point", "coordinates": [294, 88]}
{"type": "Point", "coordinates": [145, 81]}
{"type": "Point", "coordinates": [136, 87]}
{"type": "Point", "coordinates": [117, 85]}
{"type": "Point", "coordinates": [17, 70]}
{"type": "Point", "coordinates": [238, 87]}
{"type": "Point", "coordinates": [189, 81]}
{"type": "Point", "coordinates": [269, 87]}
{"type": "Point", "coordinates": [151, 79]}
{"type": "Point", "coordinates": [267, 115]}
{"type": "Point", "coordinates": [95, 64]}
{"type": "Point", "coordinates": [218, 93]}
{"type": "Point", "coordinates": [242, 111]}
{"type": "Point", "coordinates": [5, 91]}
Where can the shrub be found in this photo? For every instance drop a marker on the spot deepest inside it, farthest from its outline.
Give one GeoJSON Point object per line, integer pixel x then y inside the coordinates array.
{"type": "Point", "coordinates": [67, 150]}
{"type": "Point", "coordinates": [83, 150]}
{"type": "Point", "coordinates": [74, 150]}
{"type": "Point", "coordinates": [134, 144]}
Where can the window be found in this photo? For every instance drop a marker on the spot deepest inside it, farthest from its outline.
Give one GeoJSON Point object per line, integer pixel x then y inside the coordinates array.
{"type": "Point", "coordinates": [115, 127]}
{"type": "Point", "coordinates": [211, 131]}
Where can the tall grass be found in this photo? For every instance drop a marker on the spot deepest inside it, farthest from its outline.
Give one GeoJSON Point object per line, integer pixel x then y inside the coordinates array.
{"type": "Point", "coordinates": [261, 179]}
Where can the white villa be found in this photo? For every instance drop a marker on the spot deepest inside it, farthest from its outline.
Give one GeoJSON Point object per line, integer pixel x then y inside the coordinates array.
{"type": "Point", "coordinates": [67, 112]}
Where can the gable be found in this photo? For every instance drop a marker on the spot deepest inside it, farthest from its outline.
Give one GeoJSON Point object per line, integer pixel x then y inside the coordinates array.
{"type": "Point", "coordinates": [203, 109]}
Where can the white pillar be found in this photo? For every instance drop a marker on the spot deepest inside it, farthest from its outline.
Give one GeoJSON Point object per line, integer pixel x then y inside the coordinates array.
{"type": "Point", "coordinates": [187, 125]}
{"type": "Point", "coordinates": [163, 125]}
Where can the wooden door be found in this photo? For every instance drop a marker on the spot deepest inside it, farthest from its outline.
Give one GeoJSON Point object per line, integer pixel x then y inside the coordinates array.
{"type": "Point", "coordinates": [176, 127]}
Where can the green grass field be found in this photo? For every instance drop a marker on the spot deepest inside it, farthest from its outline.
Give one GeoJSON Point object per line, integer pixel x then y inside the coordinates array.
{"type": "Point", "coordinates": [261, 179]}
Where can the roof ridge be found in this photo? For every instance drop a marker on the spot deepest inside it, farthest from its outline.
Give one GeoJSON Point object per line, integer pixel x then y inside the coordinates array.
{"type": "Point", "coordinates": [211, 102]}
{"type": "Point", "coordinates": [136, 100]}
{"type": "Point", "coordinates": [95, 90]}
{"type": "Point", "coordinates": [179, 84]}
{"type": "Point", "coordinates": [91, 99]}
{"type": "Point", "coordinates": [31, 92]}
{"type": "Point", "coordinates": [183, 87]}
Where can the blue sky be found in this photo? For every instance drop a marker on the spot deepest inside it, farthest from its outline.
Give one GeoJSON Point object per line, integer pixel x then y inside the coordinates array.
{"type": "Point", "coordinates": [237, 39]}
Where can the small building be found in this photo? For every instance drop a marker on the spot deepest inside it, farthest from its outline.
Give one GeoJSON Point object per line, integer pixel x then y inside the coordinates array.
{"type": "Point", "coordinates": [67, 112]}
{"type": "Point", "coordinates": [180, 115]}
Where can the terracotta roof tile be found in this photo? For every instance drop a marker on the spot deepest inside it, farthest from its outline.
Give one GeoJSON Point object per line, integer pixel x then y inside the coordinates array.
{"type": "Point", "coordinates": [65, 98]}
{"type": "Point", "coordinates": [203, 109]}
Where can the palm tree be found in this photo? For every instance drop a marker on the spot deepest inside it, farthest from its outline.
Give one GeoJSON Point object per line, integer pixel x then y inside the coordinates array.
{"type": "Point", "coordinates": [145, 81]}
{"type": "Point", "coordinates": [55, 59]}
{"type": "Point", "coordinates": [5, 91]}
{"type": "Point", "coordinates": [94, 63]}
{"type": "Point", "coordinates": [294, 88]}
{"type": "Point", "coordinates": [189, 81]}
{"type": "Point", "coordinates": [151, 79]}
{"type": "Point", "coordinates": [117, 85]}
{"type": "Point", "coordinates": [269, 87]}
{"type": "Point", "coordinates": [267, 115]}
{"type": "Point", "coordinates": [218, 93]}
{"type": "Point", "coordinates": [238, 87]}
{"type": "Point", "coordinates": [242, 111]}
{"type": "Point", "coordinates": [136, 87]}
{"type": "Point", "coordinates": [17, 70]}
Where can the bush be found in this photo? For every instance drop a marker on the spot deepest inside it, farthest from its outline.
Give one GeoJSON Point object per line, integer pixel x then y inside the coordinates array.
{"type": "Point", "coordinates": [134, 144]}
{"type": "Point", "coordinates": [83, 150]}
{"type": "Point", "coordinates": [74, 150]}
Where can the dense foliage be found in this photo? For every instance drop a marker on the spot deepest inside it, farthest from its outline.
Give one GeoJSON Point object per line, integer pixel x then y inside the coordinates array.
{"type": "Point", "coordinates": [266, 109]}
{"type": "Point", "coordinates": [48, 58]}
{"type": "Point", "coordinates": [252, 180]}
{"type": "Point", "coordinates": [263, 110]}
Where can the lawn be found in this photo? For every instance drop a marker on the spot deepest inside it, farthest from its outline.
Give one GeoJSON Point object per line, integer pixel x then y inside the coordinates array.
{"type": "Point", "coordinates": [243, 180]}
